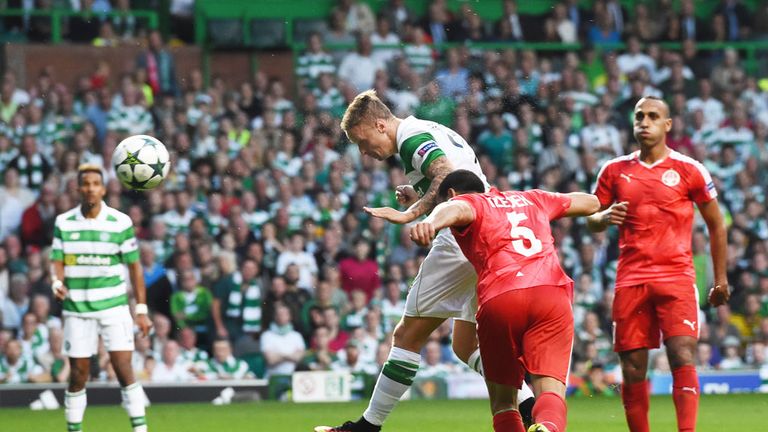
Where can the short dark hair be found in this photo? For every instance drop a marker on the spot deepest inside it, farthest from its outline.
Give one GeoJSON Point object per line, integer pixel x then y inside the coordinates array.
{"type": "Point", "coordinates": [462, 181]}
{"type": "Point", "coordinates": [658, 99]}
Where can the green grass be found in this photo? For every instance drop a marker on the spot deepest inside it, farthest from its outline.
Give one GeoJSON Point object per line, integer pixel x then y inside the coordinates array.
{"type": "Point", "coordinates": [717, 413]}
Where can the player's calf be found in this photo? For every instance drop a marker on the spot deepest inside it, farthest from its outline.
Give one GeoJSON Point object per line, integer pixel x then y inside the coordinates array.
{"type": "Point", "coordinates": [74, 409]}
{"type": "Point", "coordinates": [133, 402]}
{"type": "Point", "coordinates": [508, 421]}
{"type": "Point", "coordinates": [550, 413]}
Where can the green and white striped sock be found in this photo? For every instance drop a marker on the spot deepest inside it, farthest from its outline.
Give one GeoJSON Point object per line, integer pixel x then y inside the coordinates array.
{"type": "Point", "coordinates": [133, 402]}
{"type": "Point", "coordinates": [475, 362]}
{"type": "Point", "coordinates": [394, 380]}
{"type": "Point", "coordinates": [139, 424]}
{"type": "Point", "coordinates": [74, 409]}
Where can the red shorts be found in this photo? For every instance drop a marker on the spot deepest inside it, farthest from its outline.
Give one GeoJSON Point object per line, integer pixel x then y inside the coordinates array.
{"type": "Point", "coordinates": [526, 329]}
{"type": "Point", "coordinates": [643, 313]}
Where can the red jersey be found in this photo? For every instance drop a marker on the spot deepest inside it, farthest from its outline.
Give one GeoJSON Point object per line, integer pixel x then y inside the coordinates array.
{"type": "Point", "coordinates": [510, 242]}
{"type": "Point", "coordinates": [655, 239]}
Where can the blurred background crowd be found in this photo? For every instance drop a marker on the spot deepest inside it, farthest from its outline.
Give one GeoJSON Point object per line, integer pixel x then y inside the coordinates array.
{"type": "Point", "coordinates": [257, 256]}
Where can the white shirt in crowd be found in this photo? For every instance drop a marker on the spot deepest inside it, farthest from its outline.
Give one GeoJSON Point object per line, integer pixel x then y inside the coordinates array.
{"type": "Point", "coordinates": [178, 372]}
{"type": "Point", "coordinates": [282, 344]}
{"type": "Point", "coordinates": [360, 71]}
{"type": "Point", "coordinates": [712, 109]}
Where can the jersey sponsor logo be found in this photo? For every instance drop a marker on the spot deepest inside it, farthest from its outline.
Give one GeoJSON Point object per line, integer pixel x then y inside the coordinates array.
{"type": "Point", "coordinates": [627, 177]}
{"type": "Point", "coordinates": [87, 260]}
{"type": "Point", "coordinates": [104, 237]}
{"type": "Point", "coordinates": [74, 236]}
{"type": "Point", "coordinates": [691, 324]}
{"type": "Point", "coordinates": [670, 178]}
{"type": "Point", "coordinates": [426, 148]}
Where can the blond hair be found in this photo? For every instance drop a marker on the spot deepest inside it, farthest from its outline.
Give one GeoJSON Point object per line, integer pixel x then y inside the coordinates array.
{"type": "Point", "coordinates": [365, 107]}
{"type": "Point", "coordinates": [88, 168]}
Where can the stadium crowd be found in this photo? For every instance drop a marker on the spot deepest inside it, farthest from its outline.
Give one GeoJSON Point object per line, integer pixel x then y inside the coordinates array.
{"type": "Point", "coordinates": [257, 255]}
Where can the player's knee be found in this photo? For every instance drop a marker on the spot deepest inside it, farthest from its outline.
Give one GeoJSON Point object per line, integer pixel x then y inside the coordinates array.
{"type": "Point", "coordinates": [633, 375]}
{"type": "Point", "coordinates": [681, 351]}
{"type": "Point", "coordinates": [404, 337]}
{"type": "Point", "coordinates": [634, 370]}
{"type": "Point", "coordinates": [399, 334]}
{"type": "Point", "coordinates": [77, 379]}
{"type": "Point", "coordinates": [682, 356]}
{"type": "Point", "coordinates": [124, 373]}
{"type": "Point", "coordinates": [411, 335]}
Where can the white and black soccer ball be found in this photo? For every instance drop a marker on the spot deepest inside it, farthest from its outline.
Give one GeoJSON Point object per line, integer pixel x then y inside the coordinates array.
{"type": "Point", "coordinates": [141, 162]}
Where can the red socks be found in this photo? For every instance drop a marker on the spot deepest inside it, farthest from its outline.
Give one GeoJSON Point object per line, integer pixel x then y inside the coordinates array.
{"type": "Point", "coordinates": [635, 398]}
{"type": "Point", "coordinates": [508, 421]}
{"type": "Point", "coordinates": [685, 393]}
{"type": "Point", "coordinates": [551, 411]}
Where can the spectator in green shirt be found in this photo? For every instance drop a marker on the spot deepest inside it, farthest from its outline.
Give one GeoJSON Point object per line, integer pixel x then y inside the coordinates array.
{"type": "Point", "coordinates": [435, 107]}
{"type": "Point", "coordinates": [497, 142]}
{"type": "Point", "coordinates": [595, 383]}
{"type": "Point", "coordinates": [319, 356]}
{"type": "Point", "coordinates": [191, 307]}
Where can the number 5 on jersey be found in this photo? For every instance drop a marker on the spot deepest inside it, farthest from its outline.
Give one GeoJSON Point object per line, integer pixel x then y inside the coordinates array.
{"type": "Point", "coordinates": [518, 233]}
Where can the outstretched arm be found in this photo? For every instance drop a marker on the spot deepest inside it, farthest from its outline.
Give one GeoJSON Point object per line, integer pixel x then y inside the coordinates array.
{"type": "Point", "coordinates": [447, 214]}
{"type": "Point", "coordinates": [582, 204]}
{"type": "Point", "coordinates": [436, 172]}
{"type": "Point", "coordinates": [718, 244]}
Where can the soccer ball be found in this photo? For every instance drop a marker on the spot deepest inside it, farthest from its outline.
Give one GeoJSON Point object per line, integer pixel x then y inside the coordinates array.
{"type": "Point", "coordinates": [141, 162]}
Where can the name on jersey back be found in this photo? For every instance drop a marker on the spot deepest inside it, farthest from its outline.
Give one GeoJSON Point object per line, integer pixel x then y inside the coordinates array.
{"type": "Point", "coordinates": [508, 201]}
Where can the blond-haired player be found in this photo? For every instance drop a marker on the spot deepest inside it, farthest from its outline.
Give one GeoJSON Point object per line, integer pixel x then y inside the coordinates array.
{"type": "Point", "coordinates": [445, 285]}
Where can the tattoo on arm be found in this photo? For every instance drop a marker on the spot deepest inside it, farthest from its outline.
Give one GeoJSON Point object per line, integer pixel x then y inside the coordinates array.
{"type": "Point", "coordinates": [437, 171]}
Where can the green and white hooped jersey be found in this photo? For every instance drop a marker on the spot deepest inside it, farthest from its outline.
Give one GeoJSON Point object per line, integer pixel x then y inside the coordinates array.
{"type": "Point", "coordinates": [420, 142]}
{"type": "Point", "coordinates": [94, 253]}
{"type": "Point", "coordinates": [193, 356]}
{"type": "Point", "coordinates": [233, 368]}
{"type": "Point", "coordinates": [20, 372]}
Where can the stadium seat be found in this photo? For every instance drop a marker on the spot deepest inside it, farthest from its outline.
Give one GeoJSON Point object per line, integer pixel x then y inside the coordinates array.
{"type": "Point", "coordinates": [268, 33]}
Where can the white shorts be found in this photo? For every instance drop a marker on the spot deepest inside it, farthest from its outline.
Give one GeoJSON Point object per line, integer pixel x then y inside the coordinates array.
{"type": "Point", "coordinates": [446, 284]}
{"type": "Point", "coordinates": [81, 335]}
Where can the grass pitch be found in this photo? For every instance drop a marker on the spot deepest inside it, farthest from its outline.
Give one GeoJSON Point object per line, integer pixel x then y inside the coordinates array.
{"type": "Point", "coordinates": [716, 413]}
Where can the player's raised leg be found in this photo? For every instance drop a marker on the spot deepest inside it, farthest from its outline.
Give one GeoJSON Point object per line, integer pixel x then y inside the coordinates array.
{"type": "Point", "coordinates": [635, 390]}
{"type": "Point", "coordinates": [398, 372]}
{"type": "Point", "coordinates": [396, 376]}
